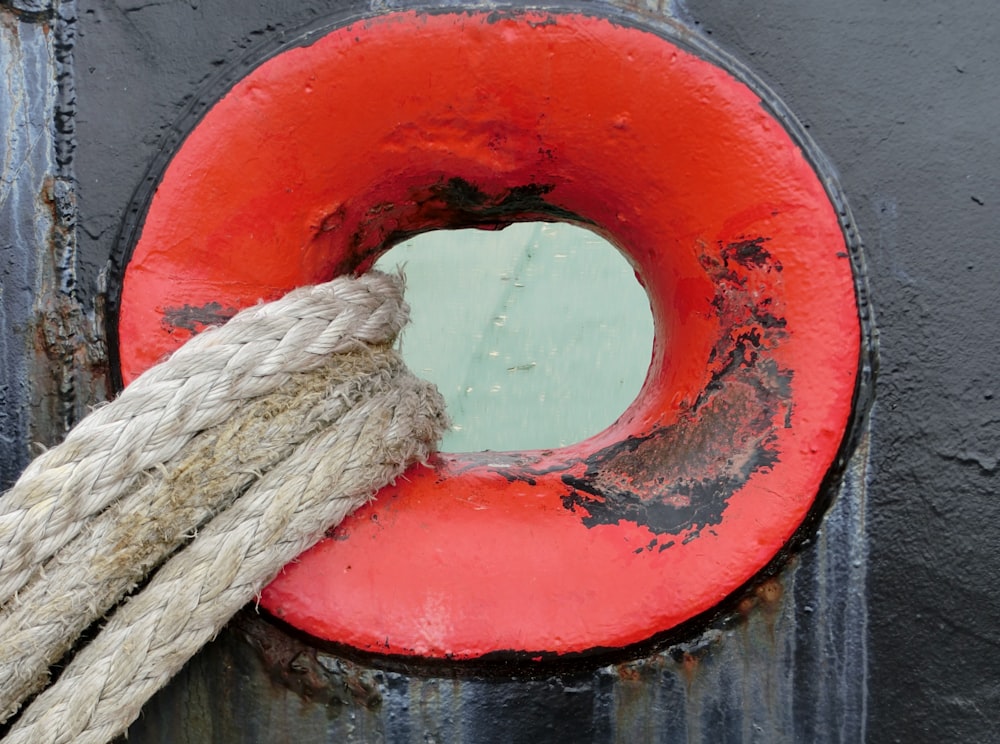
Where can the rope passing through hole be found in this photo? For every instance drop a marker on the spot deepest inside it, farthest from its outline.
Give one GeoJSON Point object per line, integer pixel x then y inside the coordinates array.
{"type": "Point", "coordinates": [209, 473]}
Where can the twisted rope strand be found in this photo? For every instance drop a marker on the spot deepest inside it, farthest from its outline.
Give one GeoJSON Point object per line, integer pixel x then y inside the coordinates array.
{"type": "Point", "coordinates": [200, 386]}
{"type": "Point", "coordinates": [189, 599]}
{"type": "Point", "coordinates": [120, 546]}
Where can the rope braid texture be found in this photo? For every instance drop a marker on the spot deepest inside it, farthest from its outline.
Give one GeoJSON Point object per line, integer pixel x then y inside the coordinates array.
{"type": "Point", "coordinates": [257, 437]}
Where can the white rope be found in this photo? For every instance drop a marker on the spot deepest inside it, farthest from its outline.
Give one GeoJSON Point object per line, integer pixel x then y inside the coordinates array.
{"type": "Point", "coordinates": [120, 546]}
{"type": "Point", "coordinates": [258, 488]}
{"type": "Point", "coordinates": [202, 385]}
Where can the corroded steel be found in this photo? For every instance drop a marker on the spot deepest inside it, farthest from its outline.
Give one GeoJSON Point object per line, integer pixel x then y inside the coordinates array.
{"type": "Point", "coordinates": [780, 667]}
{"type": "Point", "coordinates": [54, 367]}
{"type": "Point", "coordinates": [901, 97]}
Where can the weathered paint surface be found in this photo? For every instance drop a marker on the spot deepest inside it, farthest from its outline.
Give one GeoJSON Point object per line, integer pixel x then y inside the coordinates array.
{"type": "Point", "coordinates": [715, 466]}
{"type": "Point", "coordinates": [901, 97]}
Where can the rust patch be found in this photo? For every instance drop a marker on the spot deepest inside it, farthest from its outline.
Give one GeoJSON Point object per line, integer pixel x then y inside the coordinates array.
{"type": "Point", "coordinates": [26, 11]}
{"type": "Point", "coordinates": [689, 656]}
{"type": "Point", "coordinates": [770, 592]}
{"type": "Point", "coordinates": [677, 480]}
{"type": "Point", "coordinates": [196, 318]}
{"type": "Point", "coordinates": [71, 360]}
{"type": "Point", "coordinates": [314, 676]}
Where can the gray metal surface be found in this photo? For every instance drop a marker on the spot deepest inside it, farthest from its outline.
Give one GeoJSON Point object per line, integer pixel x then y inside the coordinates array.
{"type": "Point", "coordinates": [787, 663]}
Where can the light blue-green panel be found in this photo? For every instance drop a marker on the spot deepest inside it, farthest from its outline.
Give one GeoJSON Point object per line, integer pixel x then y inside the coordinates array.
{"type": "Point", "coordinates": [538, 335]}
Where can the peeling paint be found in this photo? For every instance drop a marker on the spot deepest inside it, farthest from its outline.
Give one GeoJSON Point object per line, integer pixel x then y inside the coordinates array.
{"type": "Point", "coordinates": [27, 99]}
{"type": "Point", "coordinates": [679, 479]}
{"type": "Point", "coordinates": [29, 11]}
{"type": "Point", "coordinates": [195, 319]}
{"type": "Point", "coordinates": [455, 202]}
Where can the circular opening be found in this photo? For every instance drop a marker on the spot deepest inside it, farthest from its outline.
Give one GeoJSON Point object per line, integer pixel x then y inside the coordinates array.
{"type": "Point", "coordinates": [537, 335]}
{"type": "Point", "coordinates": [413, 121]}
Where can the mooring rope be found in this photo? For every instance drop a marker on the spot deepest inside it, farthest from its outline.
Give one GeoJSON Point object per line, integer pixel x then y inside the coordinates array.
{"type": "Point", "coordinates": [256, 437]}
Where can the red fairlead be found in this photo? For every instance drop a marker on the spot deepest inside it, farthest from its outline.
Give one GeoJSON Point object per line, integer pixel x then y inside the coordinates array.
{"type": "Point", "coordinates": [332, 151]}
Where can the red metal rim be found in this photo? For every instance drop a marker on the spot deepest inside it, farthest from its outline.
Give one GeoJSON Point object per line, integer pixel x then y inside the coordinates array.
{"type": "Point", "coordinates": [327, 154]}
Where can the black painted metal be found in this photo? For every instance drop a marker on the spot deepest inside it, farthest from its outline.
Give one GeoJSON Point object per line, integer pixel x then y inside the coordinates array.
{"type": "Point", "coordinates": [882, 629]}
{"type": "Point", "coordinates": [897, 94]}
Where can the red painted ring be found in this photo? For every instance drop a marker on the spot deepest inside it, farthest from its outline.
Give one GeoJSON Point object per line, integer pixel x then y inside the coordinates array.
{"type": "Point", "coordinates": [328, 153]}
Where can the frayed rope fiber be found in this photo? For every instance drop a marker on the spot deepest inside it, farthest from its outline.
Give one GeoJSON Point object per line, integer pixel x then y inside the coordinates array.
{"type": "Point", "coordinates": [209, 472]}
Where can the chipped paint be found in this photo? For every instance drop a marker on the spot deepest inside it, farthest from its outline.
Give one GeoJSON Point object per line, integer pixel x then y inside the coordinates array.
{"type": "Point", "coordinates": [678, 479]}
{"type": "Point", "coordinates": [26, 102]}
{"type": "Point", "coordinates": [750, 387]}
{"type": "Point", "coordinates": [195, 319]}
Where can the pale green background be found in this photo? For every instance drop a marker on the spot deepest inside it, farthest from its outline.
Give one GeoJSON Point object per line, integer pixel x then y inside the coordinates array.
{"type": "Point", "coordinates": [538, 335]}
